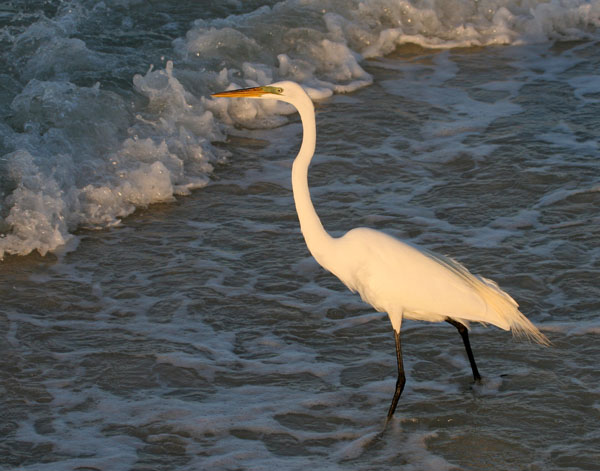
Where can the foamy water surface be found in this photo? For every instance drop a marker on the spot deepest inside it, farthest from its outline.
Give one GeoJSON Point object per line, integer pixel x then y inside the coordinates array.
{"type": "Point", "coordinates": [160, 309]}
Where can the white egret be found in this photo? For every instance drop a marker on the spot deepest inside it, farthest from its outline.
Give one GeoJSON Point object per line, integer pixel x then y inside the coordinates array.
{"type": "Point", "coordinates": [392, 276]}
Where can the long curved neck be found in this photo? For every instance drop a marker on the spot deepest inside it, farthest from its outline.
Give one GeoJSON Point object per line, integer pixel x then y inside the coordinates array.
{"type": "Point", "coordinates": [317, 239]}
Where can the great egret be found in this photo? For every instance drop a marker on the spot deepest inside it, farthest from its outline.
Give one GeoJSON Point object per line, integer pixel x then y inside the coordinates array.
{"type": "Point", "coordinates": [392, 276]}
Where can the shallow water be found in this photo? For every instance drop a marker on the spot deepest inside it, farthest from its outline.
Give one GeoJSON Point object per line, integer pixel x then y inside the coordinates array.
{"type": "Point", "coordinates": [200, 334]}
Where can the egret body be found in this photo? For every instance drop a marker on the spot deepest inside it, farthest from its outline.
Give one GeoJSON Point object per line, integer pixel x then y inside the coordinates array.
{"type": "Point", "coordinates": [392, 276]}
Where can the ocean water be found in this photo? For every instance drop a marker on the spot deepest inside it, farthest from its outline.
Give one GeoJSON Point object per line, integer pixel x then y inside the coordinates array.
{"type": "Point", "coordinates": [160, 310]}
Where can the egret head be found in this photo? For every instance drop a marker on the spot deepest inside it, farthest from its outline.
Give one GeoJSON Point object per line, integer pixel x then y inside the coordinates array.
{"type": "Point", "coordinates": [287, 91]}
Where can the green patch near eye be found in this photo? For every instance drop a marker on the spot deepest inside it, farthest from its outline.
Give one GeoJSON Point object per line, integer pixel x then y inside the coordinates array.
{"type": "Point", "coordinates": [274, 90]}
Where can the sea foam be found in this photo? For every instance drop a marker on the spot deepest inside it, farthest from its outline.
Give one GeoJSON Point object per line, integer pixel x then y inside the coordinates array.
{"type": "Point", "coordinates": [82, 149]}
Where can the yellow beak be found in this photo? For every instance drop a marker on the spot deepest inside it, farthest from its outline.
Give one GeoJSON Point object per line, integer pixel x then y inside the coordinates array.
{"type": "Point", "coordinates": [251, 92]}
{"type": "Point", "coordinates": [243, 92]}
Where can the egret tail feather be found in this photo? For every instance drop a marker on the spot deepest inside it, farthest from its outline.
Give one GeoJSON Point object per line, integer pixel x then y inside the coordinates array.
{"type": "Point", "coordinates": [501, 303]}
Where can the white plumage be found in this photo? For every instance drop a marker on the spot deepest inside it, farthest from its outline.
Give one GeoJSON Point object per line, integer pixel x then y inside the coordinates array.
{"type": "Point", "coordinates": [390, 275]}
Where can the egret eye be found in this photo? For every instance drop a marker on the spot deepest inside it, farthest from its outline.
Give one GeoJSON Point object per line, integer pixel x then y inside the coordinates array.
{"type": "Point", "coordinates": [279, 90]}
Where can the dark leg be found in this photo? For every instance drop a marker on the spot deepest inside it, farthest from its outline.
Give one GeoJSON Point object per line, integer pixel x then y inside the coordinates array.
{"type": "Point", "coordinates": [464, 333]}
{"type": "Point", "coordinates": [401, 377]}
